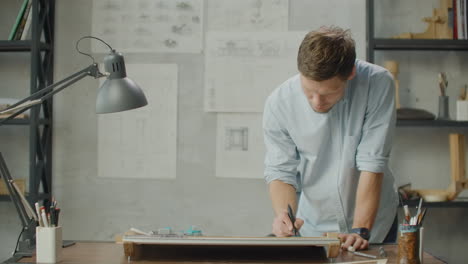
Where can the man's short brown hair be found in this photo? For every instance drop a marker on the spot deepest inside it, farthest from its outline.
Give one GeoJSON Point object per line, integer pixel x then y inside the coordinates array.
{"type": "Point", "coordinates": [326, 53]}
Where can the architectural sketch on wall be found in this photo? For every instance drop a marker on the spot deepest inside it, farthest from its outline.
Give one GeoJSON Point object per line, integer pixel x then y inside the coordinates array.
{"type": "Point", "coordinates": [354, 19]}
{"type": "Point", "coordinates": [239, 148]}
{"type": "Point", "coordinates": [236, 138]}
{"type": "Point", "coordinates": [247, 15]}
{"type": "Point", "coordinates": [142, 143]}
{"type": "Point", "coordinates": [149, 26]}
{"type": "Point", "coordinates": [242, 69]}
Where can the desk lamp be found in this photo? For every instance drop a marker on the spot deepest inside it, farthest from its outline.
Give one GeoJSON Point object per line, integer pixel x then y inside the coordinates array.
{"type": "Point", "coordinates": [117, 93]}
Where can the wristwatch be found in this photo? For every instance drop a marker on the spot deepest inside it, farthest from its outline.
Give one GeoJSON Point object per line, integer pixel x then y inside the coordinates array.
{"type": "Point", "coordinates": [362, 231]}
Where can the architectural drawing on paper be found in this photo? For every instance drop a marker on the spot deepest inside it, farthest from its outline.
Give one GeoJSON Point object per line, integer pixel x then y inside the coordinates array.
{"type": "Point", "coordinates": [234, 48]}
{"type": "Point", "coordinates": [247, 15]}
{"type": "Point", "coordinates": [243, 68]}
{"type": "Point", "coordinates": [236, 138]}
{"type": "Point", "coordinates": [269, 49]}
{"type": "Point", "coordinates": [149, 26]}
{"type": "Point", "coordinates": [239, 145]}
{"type": "Point", "coordinates": [142, 143]}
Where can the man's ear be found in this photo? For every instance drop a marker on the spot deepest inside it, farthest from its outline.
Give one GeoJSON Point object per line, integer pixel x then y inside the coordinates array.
{"type": "Point", "coordinates": [353, 73]}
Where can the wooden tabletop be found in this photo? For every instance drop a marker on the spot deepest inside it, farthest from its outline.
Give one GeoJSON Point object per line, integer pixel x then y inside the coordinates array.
{"type": "Point", "coordinates": [106, 252]}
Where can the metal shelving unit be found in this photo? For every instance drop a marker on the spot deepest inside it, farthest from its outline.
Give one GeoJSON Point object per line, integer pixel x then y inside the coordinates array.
{"type": "Point", "coordinates": [433, 123]}
{"type": "Point", "coordinates": [374, 44]}
{"type": "Point", "coordinates": [41, 50]}
{"type": "Point", "coordinates": [420, 44]}
{"type": "Point", "coordinates": [21, 46]}
{"type": "Point", "coordinates": [382, 44]}
{"type": "Point", "coordinates": [26, 121]}
{"type": "Point", "coordinates": [450, 204]}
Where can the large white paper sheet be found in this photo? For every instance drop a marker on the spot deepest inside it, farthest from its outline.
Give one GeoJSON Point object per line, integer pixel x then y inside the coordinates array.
{"type": "Point", "coordinates": [242, 69]}
{"type": "Point", "coordinates": [247, 15]}
{"type": "Point", "coordinates": [240, 150]}
{"type": "Point", "coordinates": [149, 26]}
{"type": "Point", "coordinates": [142, 143]}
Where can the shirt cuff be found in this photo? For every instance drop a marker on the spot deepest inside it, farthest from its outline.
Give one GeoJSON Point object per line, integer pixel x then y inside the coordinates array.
{"type": "Point", "coordinates": [281, 176]}
{"type": "Point", "coordinates": [371, 164]}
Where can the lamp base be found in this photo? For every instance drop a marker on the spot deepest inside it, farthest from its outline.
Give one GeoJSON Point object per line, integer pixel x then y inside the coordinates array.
{"type": "Point", "coordinates": [27, 243]}
{"type": "Point", "coordinates": [25, 249]}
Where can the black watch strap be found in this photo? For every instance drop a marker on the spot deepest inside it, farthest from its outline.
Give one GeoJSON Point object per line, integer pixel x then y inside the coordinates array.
{"type": "Point", "coordinates": [362, 231]}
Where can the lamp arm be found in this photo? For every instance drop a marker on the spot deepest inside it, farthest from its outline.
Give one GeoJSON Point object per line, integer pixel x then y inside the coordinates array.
{"type": "Point", "coordinates": [47, 92]}
{"type": "Point", "coordinates": [91, 70]}
{"type": "Point", "coordinates": [23, 105]}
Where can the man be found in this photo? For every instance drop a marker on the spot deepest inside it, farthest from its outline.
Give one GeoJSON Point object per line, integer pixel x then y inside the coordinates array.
{"type": "Point", "coordinates": [328, 133]}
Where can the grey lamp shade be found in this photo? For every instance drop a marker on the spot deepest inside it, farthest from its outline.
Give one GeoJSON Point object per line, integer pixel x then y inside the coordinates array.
{"type": "Point", "coordinates": [118, 93]}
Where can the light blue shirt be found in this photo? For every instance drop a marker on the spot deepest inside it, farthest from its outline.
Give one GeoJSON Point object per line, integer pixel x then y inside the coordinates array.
{"type": "Point", "coordinates": [322, 154]}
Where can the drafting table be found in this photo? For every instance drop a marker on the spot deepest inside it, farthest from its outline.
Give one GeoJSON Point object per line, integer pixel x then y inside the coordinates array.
{"type": "Point", "coordinates": [109, 252]}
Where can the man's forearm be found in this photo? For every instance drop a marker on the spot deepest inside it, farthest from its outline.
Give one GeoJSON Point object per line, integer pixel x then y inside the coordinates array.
{"type": "Point", "coordinates": [281, 195]}
{"type": "Point", "coordinates": [367, 199]}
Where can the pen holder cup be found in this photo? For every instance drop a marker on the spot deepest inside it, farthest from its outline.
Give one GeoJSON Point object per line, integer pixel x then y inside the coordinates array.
{"type": "Point", "coordinates": [443, 108]}
{"type": "Point", "coordinates": [408, 245]}
{"type": "Point", "coordinates": [48, 244]}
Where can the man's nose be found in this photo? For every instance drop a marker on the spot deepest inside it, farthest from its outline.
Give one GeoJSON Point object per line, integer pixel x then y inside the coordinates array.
{"type": "Point", "coordinates": [318, 99]}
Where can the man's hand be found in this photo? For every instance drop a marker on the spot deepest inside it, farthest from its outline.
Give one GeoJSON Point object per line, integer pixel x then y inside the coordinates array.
{"type": "Point", "coordinates": [354, 240]}
{"type": "Point", "coordinates": [282, 226]}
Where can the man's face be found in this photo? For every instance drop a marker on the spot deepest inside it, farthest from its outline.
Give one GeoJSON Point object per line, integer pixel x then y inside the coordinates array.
{"type": "Point", "coordinates": [323, 95]}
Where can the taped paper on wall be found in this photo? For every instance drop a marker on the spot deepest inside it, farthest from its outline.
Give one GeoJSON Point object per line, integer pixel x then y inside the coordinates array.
{"type": "Point", "coordinates": [141, 143]}
{"type": "Point", "coordinates": [149, 26]}
{"type": "Point", "coordinates": [242, 69]}
{"type": "Point", "coordinates": [247, 15]}
{"type": "Point", "coordinates": [240, 150]}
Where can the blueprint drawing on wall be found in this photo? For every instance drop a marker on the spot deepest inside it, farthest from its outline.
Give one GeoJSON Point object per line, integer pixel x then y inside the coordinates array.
{"type": "Point", "coordinates": [239, 148]}
{"type": "Point", "coordinates": [149, 26]}
{"type": "Point", "coordinates": [247, 15]}
{"type": "Point", "coordinates": [141, 143]}
{"type": "Point", "coordinates": [242, 69]}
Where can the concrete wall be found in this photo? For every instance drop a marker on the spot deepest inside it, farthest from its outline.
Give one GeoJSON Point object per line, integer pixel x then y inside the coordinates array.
{"type": "Point", "coordinates": [97, 209]}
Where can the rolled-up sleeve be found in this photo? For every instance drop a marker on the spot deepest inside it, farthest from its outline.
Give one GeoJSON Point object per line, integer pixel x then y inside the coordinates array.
{"type": "Point", "coordinates": [281, 159]}
{"type": "Point", "coordinates": [378, 130]}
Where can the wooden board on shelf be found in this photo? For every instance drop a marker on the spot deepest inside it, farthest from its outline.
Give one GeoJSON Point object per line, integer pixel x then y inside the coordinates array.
{"type": "Point", "coordinates": [458, 182]}
{"type": "Point", "coordinates": [20, 182]}
{"type": "Point", "coordinates": [20, 116]}
{"type": "Point", "coordinates": [457, 160]}
{"type": "Point", "coordinates": [438, 25]}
